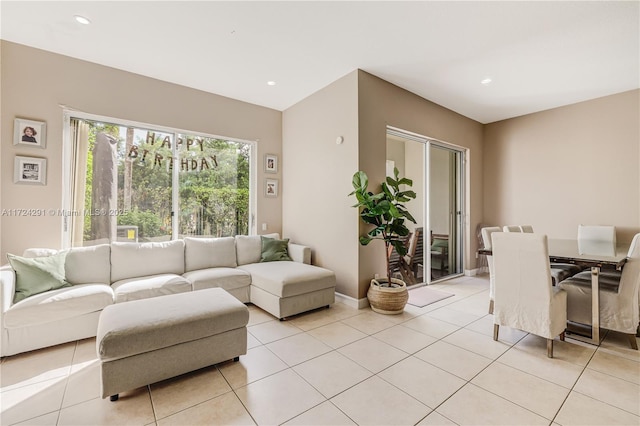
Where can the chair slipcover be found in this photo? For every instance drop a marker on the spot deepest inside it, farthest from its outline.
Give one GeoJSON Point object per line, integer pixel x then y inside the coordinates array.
{"type": "Point", "coordinates": [600, 240]}
{"type": "Point", "coordinates": [511, 228]}
{"type": "Point", "coordinates": [524, 296]}
{"type": "Point", "coordinates": [486, 239]}
{"type": "Point", "coordinates": [619, 309]}
{"type": "Point", "coordinates": [559, 271]}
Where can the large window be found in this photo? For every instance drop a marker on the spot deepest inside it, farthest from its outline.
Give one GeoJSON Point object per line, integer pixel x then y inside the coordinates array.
{"type": "Point", "coordinates": [131, 183]}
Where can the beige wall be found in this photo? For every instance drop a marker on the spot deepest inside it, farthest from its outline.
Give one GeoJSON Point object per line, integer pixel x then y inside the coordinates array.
{"type": "Point", "coordinates": [317, 178]}
{"type": "Point", "coordinates": [577, 164]}
{"type": "Point", "coordinates": [34, 85]}
{"type": "Point", "coordinates": [382, 104]}
{"type": "Point", "coordinates": [359, 106]}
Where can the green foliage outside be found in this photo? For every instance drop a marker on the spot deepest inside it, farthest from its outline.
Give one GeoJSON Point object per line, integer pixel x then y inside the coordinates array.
{"type": "Point", "coordinates": [213, 184]}
{"type": "Point", "coordinates": [148, 223]}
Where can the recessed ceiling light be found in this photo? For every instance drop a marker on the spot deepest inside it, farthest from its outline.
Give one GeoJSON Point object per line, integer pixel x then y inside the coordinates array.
{"type": "Point", "coordinates": [82, 20]}
{"type": "Point", "coordinates": [271, 83]}
{"type": "Point", "coordinates": [486, 81]}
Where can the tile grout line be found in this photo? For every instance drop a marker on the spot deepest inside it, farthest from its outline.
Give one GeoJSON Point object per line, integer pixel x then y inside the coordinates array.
{"type": "Point", "coordinates": [574, 385]}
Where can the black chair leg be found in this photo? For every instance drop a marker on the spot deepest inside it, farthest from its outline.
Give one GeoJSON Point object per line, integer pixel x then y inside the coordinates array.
{"type": "Point", "coordinates": [114, 397]}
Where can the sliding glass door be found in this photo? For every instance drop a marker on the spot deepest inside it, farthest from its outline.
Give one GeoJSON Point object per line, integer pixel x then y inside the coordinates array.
{"type": "Point", "coordinates": [445, 210]}
{"type": "Point", "coordinates": [436, 241]}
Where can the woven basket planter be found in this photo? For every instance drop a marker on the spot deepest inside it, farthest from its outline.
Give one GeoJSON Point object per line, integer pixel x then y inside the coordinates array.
{"type": "Point", "coordinates": [388, 300]}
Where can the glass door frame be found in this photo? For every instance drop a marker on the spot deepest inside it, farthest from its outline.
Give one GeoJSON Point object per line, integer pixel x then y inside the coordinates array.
{"type": "Point", "coordinates": [459, 223]}
{"type": "Point", "coordinates": [459, 212]}
{"type": "Point", "coordinates": [67, 152]}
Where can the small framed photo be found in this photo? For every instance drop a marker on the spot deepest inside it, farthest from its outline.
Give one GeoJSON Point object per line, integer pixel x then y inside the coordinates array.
{"type": "Point", "coordinates": [30, 170]}
{"type": "Point", "coordinates": [29, 133]}
{"type": "Point", "coordinates": [271, 163]}
{"type": "Point", "coordinates": [271, 188]}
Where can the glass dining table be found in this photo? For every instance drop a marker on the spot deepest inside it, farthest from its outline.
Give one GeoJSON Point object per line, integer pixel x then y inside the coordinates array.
{"type": "Point", "coordinates": [594, 257]}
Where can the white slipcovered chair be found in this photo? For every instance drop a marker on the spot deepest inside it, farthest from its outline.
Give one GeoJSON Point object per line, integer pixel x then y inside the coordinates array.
{"type": "Point", "coordinates": [597, 239]}
{"type": "Point", "coordinates": [618, 293]}
{"type": "Point", "coordinates": [559, 271]}
{"type": "Point", "coordinates": [486, 240]}
{"type": "Point", "coordinates": [524, 296]}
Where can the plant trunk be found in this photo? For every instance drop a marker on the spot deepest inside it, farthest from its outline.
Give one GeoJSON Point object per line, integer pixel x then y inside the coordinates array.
{"type": "Point", "coordinates": [386, 246]}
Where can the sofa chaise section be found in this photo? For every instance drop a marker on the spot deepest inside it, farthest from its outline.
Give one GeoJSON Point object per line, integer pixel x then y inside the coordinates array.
{"type": "Point", "coordinates": [288, 288]}
{"type": "Point", "coordinates": [285, 288]}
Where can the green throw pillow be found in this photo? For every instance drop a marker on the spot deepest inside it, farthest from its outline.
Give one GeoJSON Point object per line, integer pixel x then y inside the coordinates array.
{"type": "Point", "coordinates": [38, 274]}
{"type": "Point", "coordinates": [273, 250]}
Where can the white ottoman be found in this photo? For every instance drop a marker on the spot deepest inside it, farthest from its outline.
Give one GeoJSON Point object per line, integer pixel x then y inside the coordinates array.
{"type": "Point", "coordinates": [148, 340]}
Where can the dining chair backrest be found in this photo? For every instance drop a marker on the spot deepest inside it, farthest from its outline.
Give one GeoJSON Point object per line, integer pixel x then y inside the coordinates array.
{"type": "Point", "coordinates": [486, 235]}
{"type": "Point", "coordinates": [526, 228]}
{"type": "Point", "coordinates": [524, 292]}
{"type": "Point", "coordinates": [597, 239]}
{"type": "Point", "coordinates": [629, 287]}
{"type": "Point", "coordinates": [511, 228]}
{"type": "Point", "coordinates": [486, 239]}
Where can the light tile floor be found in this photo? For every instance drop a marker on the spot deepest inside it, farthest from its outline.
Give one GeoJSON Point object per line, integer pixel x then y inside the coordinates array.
{"type": "Point", "coordinates": [436, 365]}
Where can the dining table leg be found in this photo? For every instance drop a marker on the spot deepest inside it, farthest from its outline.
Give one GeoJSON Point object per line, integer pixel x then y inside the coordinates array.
{"type": "Point", "coordinates": [595, 305]}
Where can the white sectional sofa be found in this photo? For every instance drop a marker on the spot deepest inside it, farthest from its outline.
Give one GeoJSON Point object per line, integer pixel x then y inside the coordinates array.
{"type": "Point", "coordinates": [119, 272]}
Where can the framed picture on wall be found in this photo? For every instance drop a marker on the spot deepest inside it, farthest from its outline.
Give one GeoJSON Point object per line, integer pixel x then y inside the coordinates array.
{"type": "Point", "coordinates": [30, 170]}
{"type": "Point", "coordinates": [271, 188]}
{"type": "Point", "coordinates": [271, 163]}
{"type": "Point", "coordinates": [29, 133]}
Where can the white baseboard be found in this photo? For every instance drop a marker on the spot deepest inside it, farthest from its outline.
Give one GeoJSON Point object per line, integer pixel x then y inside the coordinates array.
{"type": "Point", "coordinates": [353, 302]}
{"type": "Point", "coordinates": [471, 272]}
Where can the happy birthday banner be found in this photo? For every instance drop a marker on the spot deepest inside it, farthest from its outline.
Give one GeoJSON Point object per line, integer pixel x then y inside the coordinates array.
{"type": "Point", "coordinates": [186, 164]}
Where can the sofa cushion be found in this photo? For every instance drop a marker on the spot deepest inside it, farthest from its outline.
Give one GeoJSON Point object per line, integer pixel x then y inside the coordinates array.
{"type": "Point", "coordinates": [39, 252]}
{"type": "Point", "coordinates": [130, 260]}
{"type": "Point", "coordinates": [285, 279]}
{"type": "Point", "coordinates": [249, 247]}
{"type": "Point", "coordinates": [85, 265]}
{"type": "Point", "coordinates": [37, 275]}
{"type": "Point", "coordinates": [59, 304]}
{"type": "Point", "coordinates": [203, 253]}
{"type": "Point", "coordinates": [274, 250]}
{"type": "Point", "coordinates": [149, 286]}
{"type": "Point", "coordinates": [226, 278]}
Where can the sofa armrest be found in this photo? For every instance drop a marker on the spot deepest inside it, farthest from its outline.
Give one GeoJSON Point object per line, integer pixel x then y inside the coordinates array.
{"type": "Point", "coordinates": [300, 253]}
{"type": "Point", "coordinates": [7, 288]}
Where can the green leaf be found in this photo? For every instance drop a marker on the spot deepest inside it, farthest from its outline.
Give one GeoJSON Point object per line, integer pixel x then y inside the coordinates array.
{"type": "Point", "coordinates": [408, 216]}
{"type": "Point", "coordinates": [365, 240]}
{"type": "Point", "coordinates": [400, 247]}
{"type": "Point", "coordinates": [360, 181]}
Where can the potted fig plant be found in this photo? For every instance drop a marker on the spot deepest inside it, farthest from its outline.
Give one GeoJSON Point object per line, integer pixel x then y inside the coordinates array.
{"type": "Point", "coordinates": [386, 213]}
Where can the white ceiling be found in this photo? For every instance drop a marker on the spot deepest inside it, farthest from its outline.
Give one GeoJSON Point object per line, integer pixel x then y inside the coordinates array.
{"type": "Point", "coordinates": [540, 55]}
